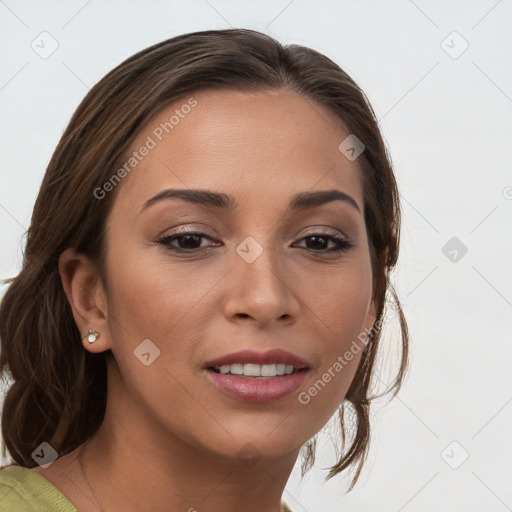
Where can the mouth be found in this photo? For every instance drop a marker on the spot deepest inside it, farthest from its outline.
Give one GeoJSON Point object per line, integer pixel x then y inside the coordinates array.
{"type": "Point", "coordinates": [257, 371]}
{"type": "Point", "coordinates": [257, 377]}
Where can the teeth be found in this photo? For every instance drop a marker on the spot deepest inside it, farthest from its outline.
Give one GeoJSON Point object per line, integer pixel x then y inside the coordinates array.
{"type": "Point", "coordinates": [268, 370]}
{"type": "Point", "coordinates": [252, 370]}
{"type": "Point", "coordinates": [256, 370]}
{"type": "Point", "coordinates": [237, 369]}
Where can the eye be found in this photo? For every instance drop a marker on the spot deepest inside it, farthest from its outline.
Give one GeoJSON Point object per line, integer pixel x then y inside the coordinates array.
{"type": "Point", "coordinates": [317, 242]}
{"type": "Point", "coordinates": [188, 241]}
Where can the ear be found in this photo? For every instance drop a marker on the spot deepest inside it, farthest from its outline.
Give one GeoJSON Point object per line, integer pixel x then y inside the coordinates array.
{"type": "Point", "coordinates": [371, 317]}
{"type": "Point", "coordinates": [373, 307]}
{"type": "Point", "coordinates": [384, 257]}
{"type": "Point", "coordinates": [86, 296]}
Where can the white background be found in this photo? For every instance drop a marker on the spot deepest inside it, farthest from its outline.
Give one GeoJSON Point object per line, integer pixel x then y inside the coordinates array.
{"type": "Point", "coordinates": [448, 124]}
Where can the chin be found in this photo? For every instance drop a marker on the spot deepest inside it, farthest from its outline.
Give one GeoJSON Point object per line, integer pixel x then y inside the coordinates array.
{"type": "Point", "coordinates": [257, 440]}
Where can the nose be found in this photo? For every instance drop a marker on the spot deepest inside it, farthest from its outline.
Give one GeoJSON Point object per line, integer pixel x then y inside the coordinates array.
{"type": "Point", "coordinates": [261, 291]}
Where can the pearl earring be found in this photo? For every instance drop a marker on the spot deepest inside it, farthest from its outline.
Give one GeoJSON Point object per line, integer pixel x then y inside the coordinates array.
{"type": "Point", "coordinates": [92, 335]}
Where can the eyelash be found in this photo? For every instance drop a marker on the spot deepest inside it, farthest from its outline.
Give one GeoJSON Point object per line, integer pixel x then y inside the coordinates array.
{"type": "Point", "coordinates": [343, 243]}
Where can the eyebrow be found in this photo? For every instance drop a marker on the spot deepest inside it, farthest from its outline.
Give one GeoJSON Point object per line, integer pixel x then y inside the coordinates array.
{"type": "Point", "coordinates": [218, 200]}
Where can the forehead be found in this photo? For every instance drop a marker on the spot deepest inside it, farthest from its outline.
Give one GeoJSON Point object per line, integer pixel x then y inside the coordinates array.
{"type": "Point", "coordinates": [271, 143]}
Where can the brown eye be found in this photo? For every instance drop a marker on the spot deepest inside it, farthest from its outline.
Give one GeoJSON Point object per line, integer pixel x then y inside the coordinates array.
{"type": "Point", "coordinates": [318, 242]}
{"type": "Point", "coordinates": [184, 242]}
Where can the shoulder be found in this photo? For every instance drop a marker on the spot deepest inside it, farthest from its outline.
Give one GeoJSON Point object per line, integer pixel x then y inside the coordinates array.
{"type": "Point", "coordinates": [22, 489]}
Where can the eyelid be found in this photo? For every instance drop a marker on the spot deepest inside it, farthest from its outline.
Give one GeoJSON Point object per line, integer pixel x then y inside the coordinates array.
{"type": "Point", "coordinates": [341, 241]}
{"type": "Point", "coordinates": [325, 231]}
{"type": "Point", "coordinates": [315, 230]}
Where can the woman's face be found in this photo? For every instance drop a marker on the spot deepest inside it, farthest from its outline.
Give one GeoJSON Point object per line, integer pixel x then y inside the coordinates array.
{"type": "Point", "coordinates": [259, 274]}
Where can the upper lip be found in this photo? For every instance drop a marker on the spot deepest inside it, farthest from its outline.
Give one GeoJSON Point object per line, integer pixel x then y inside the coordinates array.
{"type": "Point", "coordinates": [248, 356]}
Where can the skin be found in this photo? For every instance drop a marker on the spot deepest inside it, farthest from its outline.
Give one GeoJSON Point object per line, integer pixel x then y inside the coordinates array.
{"type": "Point", "coordinates": [169, 440]}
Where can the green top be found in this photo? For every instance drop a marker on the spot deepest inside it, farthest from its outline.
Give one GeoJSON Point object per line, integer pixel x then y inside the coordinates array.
{"type": "Point", "coordinates": [22, 490]}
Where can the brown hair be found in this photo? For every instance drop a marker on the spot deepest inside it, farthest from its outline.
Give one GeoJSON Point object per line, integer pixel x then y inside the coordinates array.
{"type": "Point", "coordinates": [58, 394]}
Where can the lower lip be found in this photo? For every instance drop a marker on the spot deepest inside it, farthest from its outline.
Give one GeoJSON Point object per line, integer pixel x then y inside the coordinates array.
{"type": "Point", "coordinates": [250, 389]}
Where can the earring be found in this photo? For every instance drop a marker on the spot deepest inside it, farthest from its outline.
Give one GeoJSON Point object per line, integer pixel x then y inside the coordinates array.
{"type": "Point", "coordinates": [92, 335]}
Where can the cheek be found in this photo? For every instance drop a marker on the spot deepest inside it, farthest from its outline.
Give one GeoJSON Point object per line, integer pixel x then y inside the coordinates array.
{"type": "Point", "coordinates": [341, 305]}
{"type": "Point", "coordinates": [152, 298]}
{"type": "Point", "coordinates": [341, 300]}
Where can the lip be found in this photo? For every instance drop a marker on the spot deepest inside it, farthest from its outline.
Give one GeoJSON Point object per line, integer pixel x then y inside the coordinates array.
{"type": "Point", "coordinates": [259, 390]}
{"type": "Point", "coordinates": [249, 356]}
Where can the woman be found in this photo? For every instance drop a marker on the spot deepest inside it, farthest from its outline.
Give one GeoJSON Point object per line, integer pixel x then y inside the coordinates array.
{"type": "Point", "coordinates": [203, 285]}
